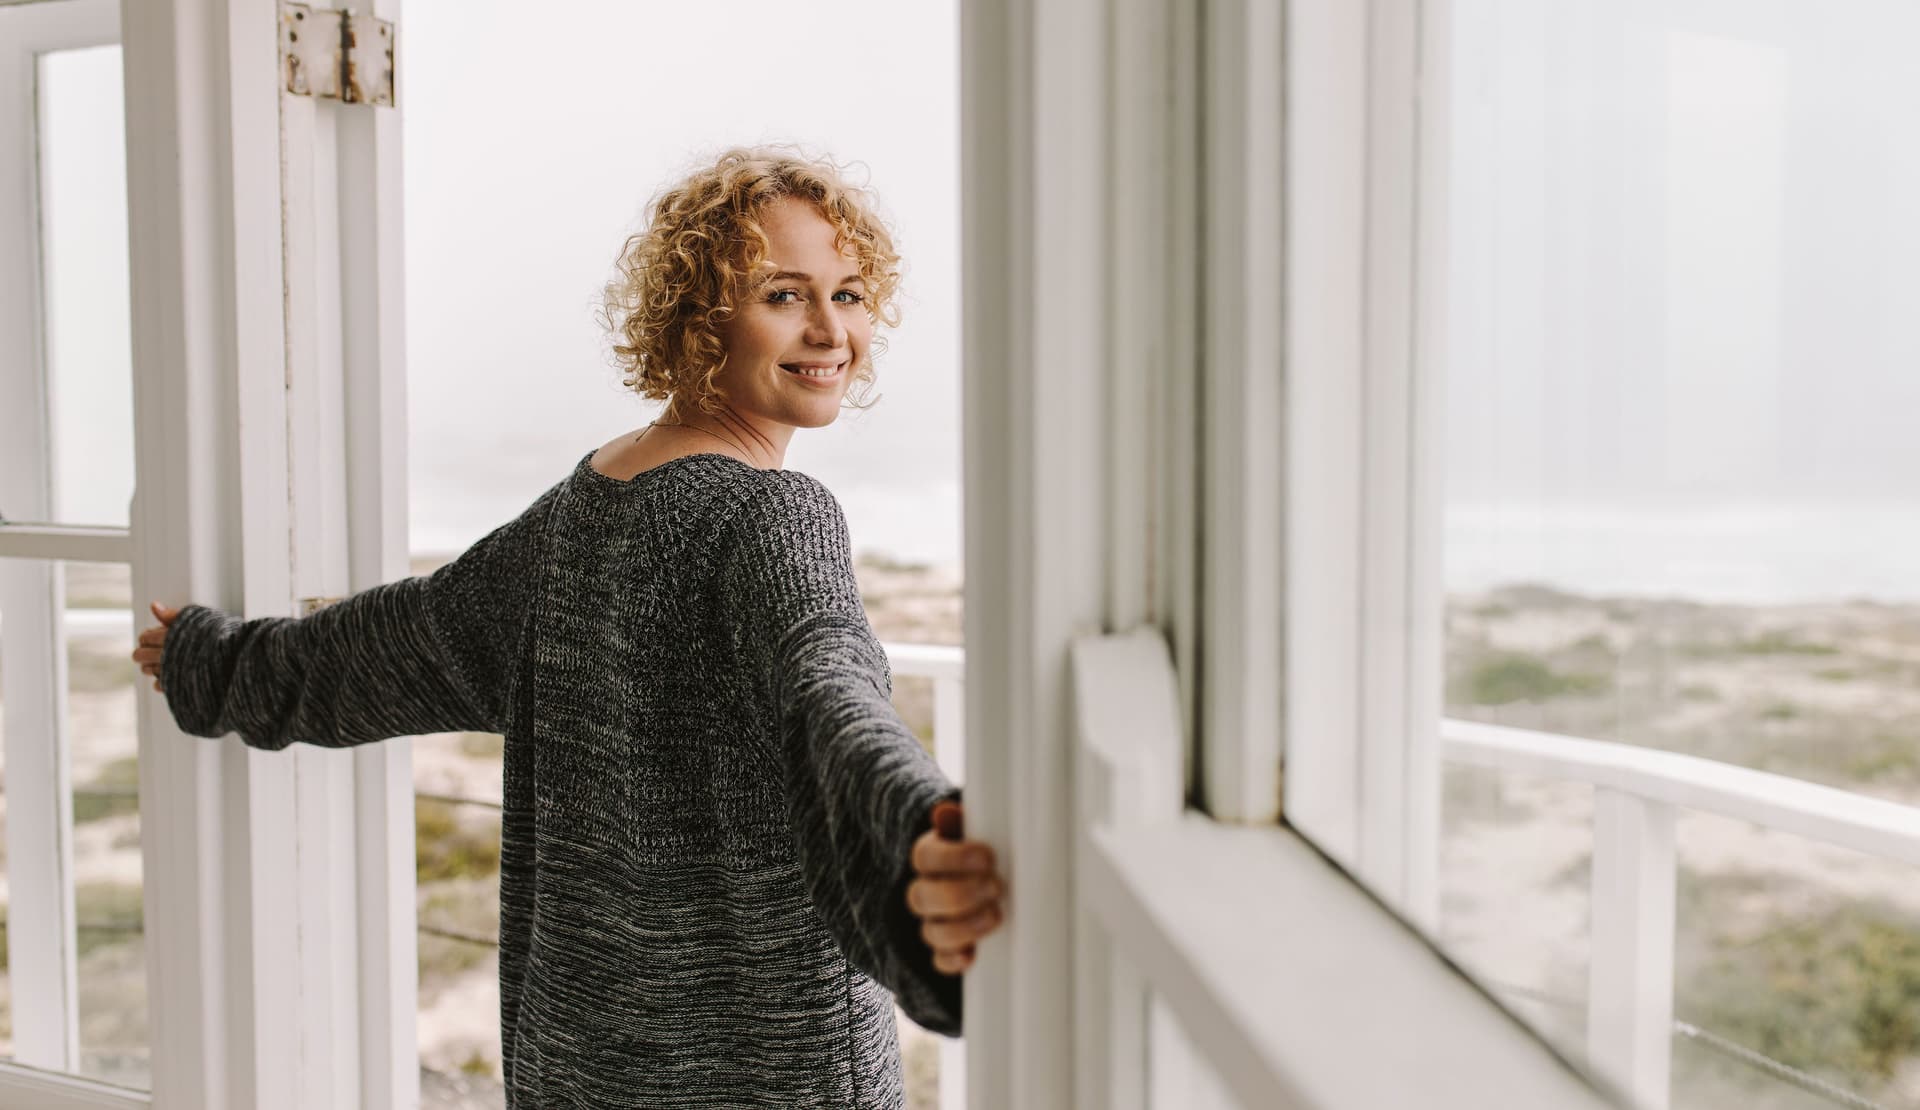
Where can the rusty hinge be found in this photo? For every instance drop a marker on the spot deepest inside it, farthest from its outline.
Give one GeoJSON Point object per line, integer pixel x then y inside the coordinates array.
{"type": "Point", "coordinates": [312, 605]}
{"type": "Point", "coordinates": [337, 54]}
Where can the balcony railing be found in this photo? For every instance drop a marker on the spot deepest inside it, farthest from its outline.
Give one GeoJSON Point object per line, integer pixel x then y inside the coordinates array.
{"type": "Point", "coordinates": [1638, 793]}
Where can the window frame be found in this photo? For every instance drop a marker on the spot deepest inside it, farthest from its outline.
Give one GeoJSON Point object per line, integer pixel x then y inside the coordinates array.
{"type": "Point", "coordinates": [1173, 990]}
{"type": "Point", "coordinates": [43, 967]}
{"type": "Point", "coordinates": [1366, 111]}
{"type": "Point", "coordinates": [278, 898]}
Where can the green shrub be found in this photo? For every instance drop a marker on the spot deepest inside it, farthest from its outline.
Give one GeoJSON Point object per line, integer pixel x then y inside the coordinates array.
{"type": "Point", "coordinates": [110, 792]}
{"type": "Point", "coordinates": [1508, 677]}
{"type": "Point", "coordinates": [108, 914]}
{"type": "Point", "coordinates": [1886, 755]}
{"type": "Point", "coordinates": [1776, 642]}
{"type": "Point", "coordinates": [1780, 711]}
{"type": "Point", "coordinates": [442, 958]}
{"type": "Point", "coordinates": [445, 847]}
{"type": "Point", "coordinates": [477, 1064]}
{"type": "Point", "coordinates": [1838, 994]}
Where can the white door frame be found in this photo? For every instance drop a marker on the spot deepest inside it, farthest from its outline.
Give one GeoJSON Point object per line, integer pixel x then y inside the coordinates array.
{"type": "Point", "coordinates": [279, 885]}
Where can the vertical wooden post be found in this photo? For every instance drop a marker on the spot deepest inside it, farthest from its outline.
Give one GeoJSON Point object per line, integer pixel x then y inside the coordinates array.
{"type": "Point", "coordinates": [1630, 999]}
{"type": "Point", "coordinates": [1033, 133]}
{"type": "Point", "coordinates": [1129, 771]}
{"type": "Point", "coordinates": [950, 751]}
{"type": "Point", "coordinates": [347, 425]}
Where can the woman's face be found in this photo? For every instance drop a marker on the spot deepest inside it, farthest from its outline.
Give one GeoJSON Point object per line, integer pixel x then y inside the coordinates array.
{"type": "Point", "coordinates": [794, 343]}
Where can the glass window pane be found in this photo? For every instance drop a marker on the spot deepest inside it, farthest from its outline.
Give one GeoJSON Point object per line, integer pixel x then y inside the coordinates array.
{"type": "Point", "coordinates": [102, 688]}
{"type": "Point", "coordinates": [83, 221]}
{"type": "Point", "coordinates": [1683, 504]}
{"type": "Point", "coordinates": [103, 765]}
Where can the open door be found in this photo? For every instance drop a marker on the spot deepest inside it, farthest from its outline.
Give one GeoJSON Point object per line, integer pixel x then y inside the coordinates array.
{"type": "Point", "coordinates": [261, 385]}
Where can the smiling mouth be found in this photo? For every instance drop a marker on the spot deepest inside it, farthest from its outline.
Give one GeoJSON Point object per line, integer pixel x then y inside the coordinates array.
{"type": "Point", "coordinates": [813, 373]}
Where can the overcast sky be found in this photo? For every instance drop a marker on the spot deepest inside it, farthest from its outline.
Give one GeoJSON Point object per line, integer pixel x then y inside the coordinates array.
{"type": "Point", "coordinates": [1682, 303]}
{"type": "Point", "coordinates": [534, 138]}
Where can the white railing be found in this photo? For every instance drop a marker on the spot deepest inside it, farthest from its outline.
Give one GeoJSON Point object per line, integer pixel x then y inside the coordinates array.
{"type": "Point", "coordinates": [947, 667]}
{"type": "Point", "coordinates": [1637, 794]}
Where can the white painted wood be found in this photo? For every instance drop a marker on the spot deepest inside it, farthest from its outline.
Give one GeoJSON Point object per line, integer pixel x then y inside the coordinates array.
{"type": "Point", "coordinates": [1175, 484]}
{"type": "Point", "coordinates": [1425, 628]}
{"type": "Point", "coordinates": [1364, 590]}
{"type": "Point", "coordinates": [1128, 1063]}
{"type": "Point", "coordinates": [1400, 542]}
{"type": "Point", "coordinates": [1386, 441]}
{"type": "Point", "coordinates": [1273, 997]}
{"type": "Point", "coordinates": [1630, 976]}
{"type": "Point", "coordinates": [96, 622]}
{"type": "Point", "coordinates": [949, 728]}
{"type": "Point", "coordinates": [946, 666]}
{"type": "Point", "coordinates": [1241, 544]}
{"type": "Point", "coordinates": [1874, 826]}
{"type": "Point", "coordinates": [27, 1089]}
{"type": "Point", "coordinates": [1127, 729]}
{"type": "Point", "coordinates": [1325, 304]}
{"type": "Point", "coordinates": [1181, 1077]}
{"type": "Point", "coordinates": [210, 525]}
{"type": "Point", "coordinates": [936, 661]}
{"type": "Point", "coordinates": [325, 807]}
{"type": "Point", "coordinates": [1170, 1060]}
{"type": "Point", "coordinates": [42, 967]}
{"type": "Point", "coordinates": [72, 543]}
{"type": "Point", "coordinates": [373, 352]}
{"type": "Point", "coordinates": [1129, 770]}
{"type": "Point", "coordinates": [1144, 369]}
{"type": "Point", "coordinates": [1034, 219]}
{"type": "Point", "coordinates": [1261, 1002]}
{"type": "Point", "coordinates": [1402, 596]}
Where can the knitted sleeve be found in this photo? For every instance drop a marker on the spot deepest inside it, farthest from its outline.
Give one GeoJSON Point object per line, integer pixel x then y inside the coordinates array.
{"type": "Point", "coordinates": [420, 655]}
{"type": "Point", "coordinates": [860, 789]}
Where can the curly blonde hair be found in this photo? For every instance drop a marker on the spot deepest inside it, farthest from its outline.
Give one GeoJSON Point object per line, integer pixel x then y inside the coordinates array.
{"type": "Point", "coordinates": [704, 248]}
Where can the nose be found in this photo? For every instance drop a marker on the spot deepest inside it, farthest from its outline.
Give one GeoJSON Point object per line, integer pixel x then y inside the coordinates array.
{"type": "Point", "coordinates": [824, 326]}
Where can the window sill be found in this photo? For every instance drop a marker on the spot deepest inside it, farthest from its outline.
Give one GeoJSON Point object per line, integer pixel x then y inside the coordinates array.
{"type": "Point", "coordinates": [28, 1088]}
{"type": "Point", "coordinates": [1340, 1005]}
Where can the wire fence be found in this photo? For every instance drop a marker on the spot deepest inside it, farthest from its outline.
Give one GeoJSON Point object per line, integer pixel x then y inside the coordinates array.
{"type": "Point", "coordinates": [457, 800]}
{"type": "Point", "coordinates": [134, 925]}
{"type": "Point", "coordinates": [1784, 1072]}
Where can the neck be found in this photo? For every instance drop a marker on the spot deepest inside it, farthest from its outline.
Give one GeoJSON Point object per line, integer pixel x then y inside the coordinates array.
{"type": "Point", "coordinates": [761, 444]}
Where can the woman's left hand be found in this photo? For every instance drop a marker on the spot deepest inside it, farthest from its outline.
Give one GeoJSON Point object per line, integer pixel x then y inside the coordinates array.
{"type": "Point", "coordinates": [956, 892]}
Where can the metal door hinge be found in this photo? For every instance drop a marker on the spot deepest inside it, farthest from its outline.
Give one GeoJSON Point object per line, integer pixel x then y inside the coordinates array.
{"type": "Point", "coordinates": [337, 54]}
{"type": "Point", "coordinates": [312, 605]}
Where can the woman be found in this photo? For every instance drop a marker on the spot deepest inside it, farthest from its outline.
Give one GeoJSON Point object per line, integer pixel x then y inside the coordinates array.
{"type": "Point", "coordinates": [717, 849]}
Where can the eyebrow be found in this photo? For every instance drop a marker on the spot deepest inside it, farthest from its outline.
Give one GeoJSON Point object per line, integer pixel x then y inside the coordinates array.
{"type": "Point", "coordinates": [798, 276]}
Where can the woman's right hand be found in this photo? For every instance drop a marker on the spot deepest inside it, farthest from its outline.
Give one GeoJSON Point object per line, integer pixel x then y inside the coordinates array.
{"type": "Point", "coordinates": [957, 893]}
{"type": "Point", "coordinates": [153, 643]}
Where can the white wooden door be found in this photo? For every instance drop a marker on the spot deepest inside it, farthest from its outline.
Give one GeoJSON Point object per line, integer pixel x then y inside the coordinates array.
{"type": "Point", "coordinates": [263, 247]}
{"type": "Point", "coordinates": [36, 44]}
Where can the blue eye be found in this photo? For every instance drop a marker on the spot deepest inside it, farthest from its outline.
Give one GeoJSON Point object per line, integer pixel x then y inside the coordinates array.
{"type": "Point", "coordinates": [781, 293]}
{"type": "Point", "coordinates": [857, 298]}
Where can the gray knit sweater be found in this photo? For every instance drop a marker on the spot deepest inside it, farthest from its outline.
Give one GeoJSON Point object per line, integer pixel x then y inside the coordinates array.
{"type": "Point", "coordinates": [709, 800]}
